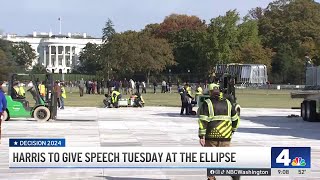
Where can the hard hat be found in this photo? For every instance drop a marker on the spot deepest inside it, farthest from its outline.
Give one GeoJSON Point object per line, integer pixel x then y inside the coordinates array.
{"type": "Point", "coordinates": [213, 86]}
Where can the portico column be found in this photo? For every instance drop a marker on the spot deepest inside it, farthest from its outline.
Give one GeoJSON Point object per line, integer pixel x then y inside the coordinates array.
{"type": "Point", "coordinates": [57, 61]}
{"type": "Point", "coordinates": [70, 60]}
{"type": "Point", "coordinates": [50, 64]}
{"type": "Point", "coordinates": [44, 56]}
{"type": "Point", "coordinates": [64, 57]}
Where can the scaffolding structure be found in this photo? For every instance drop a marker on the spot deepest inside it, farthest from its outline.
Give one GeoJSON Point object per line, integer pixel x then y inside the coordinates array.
{"type": "Point", "coordinates": [250, 74]}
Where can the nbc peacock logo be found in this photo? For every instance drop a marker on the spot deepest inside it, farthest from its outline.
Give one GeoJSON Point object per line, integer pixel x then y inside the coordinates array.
{"type": "Point", "coordinates": [298, 161]}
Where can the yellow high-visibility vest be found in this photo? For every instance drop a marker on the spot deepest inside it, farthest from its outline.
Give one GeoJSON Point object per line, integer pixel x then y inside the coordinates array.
{"type": "Point", "coordinates": [16, 88]}
{"type": "Point", "coordinates": [199, 90]}
{"type": "Point", "coordinates": [42, 89]}
{"type": "Point", "coordinates": [227, 123]}
{"type": "Point", "coordinates": [113, 98]}
{"type": "Point", "coordinates": [63, 94]}
{"type": "Point", "coordinates": [21, 91]}
{"type": "Point", "coordinates": [189, 90]}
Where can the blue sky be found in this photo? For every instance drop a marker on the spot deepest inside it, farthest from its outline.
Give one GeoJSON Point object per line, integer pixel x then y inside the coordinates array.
{"type": "Point", "coordinates": [25, 16]}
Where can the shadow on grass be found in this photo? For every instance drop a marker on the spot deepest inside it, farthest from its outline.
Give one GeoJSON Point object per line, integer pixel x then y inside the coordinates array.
{"type": "Point", "coordinates": [127, 178]}
{"type": "Point", "coordinates": [283, 126]}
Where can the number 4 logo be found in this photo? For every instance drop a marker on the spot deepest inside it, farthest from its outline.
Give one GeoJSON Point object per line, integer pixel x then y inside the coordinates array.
{"type": "Point", "coordinates": [284, 157]}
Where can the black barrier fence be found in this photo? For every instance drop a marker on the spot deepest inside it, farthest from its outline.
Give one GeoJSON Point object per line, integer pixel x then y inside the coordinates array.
{"type": "Point", "coordinates": [174, 78]}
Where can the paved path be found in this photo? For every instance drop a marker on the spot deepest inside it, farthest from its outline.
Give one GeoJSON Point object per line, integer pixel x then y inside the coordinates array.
{"type": "Point", "coordinates": [153, 126]}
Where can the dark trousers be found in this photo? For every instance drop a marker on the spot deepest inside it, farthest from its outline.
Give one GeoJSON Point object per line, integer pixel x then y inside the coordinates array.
{"type": "Point", "coordinates": [81, 91]}
{"type": "Point", "coordinates": [59, 103]}
{"type": "Point", "coordinates": [144, 90]}
{"type": "Point", "coordinates": [154, 89]}
{"type": "Point", "coordinates": [184, 106]}
{"type": "Point", "coordinates": [213, 143]}
{"type": "Point", "coordinates": [163, 90]}
{"type": "Point", "coordinates": [89, 90]}
{"type": "Point", "coordinates": [190, 107]}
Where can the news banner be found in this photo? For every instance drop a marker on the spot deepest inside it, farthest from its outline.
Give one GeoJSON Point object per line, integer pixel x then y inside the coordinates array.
{"type": "Point", "coordinates": [222, 161]}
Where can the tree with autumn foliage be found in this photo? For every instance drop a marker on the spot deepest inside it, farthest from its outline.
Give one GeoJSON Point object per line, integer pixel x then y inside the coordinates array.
{"type": "Point", "coordinates": [279, 36]}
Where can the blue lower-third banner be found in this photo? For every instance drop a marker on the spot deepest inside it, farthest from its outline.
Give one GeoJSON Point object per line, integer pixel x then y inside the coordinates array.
{"type": "Point", "coordinates": [37, 142]}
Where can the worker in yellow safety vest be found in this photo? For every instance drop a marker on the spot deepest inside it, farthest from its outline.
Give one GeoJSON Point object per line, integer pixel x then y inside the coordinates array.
{"type": "Point", "coordinates": [189, 89]}
{"type": "Point", "coordinates": [42, 90]}
{"type": "Point", "coordinates": [63, 95]}
{"type": "Point", "coordinates": [22, 92]}
{"type": "Point", "coordinates": [17, 94]}
{"type": "Point", "coordinates": [218, 120]}
{"type": "Point", "coordinates": [115, 96]}
{"type": "Point", "coordinates": [199, 92]}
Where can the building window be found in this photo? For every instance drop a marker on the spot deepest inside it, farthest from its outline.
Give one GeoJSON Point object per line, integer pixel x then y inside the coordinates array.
{"type": "Point", "coordinates": [60, 49]}
{"type": "Point", "coordinates": [67, 62]}
{"type": "Point", "coordinates": [53, 50]}
{"type": "Point", "coordinates": [60, 71]}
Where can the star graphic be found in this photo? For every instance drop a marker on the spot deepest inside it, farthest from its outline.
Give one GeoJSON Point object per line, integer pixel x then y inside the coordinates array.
{"type": "Point", "coordinates": [15, 143]}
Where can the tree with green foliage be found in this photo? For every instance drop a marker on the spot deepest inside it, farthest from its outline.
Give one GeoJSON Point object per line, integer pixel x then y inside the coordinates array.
{"type": "Point", "coordinates": [250, 49]}
{"type": "Point", "coordinates": [185, 34]}
{"type": "Point", "coordinates": [38, 69]}
{"type": "Point", "coordinates": [223, 32]}
{"type": "Point", "coordinates": [89, 59]}
{"type": "Point", "coordinates": [7, 65]}
{"type": "Point", "coordinates": [108, 31]}
{"type": "Point", "coordinates": [6, 62]}
{"type": "Point", "coordinates": [292, 29]}
{"type": "Point", "coordinates": [132, 52]}
{"type": "Point", "coordinates": [23, 54]}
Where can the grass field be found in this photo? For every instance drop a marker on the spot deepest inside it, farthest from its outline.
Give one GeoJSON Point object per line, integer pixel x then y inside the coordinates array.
{"type": "Point", "coordinates": [248, 98]}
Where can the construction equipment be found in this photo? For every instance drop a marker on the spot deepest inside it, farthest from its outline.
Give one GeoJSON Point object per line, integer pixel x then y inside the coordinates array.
{"type": "Point", "coordinates": [310, 106]}
{"type": "Point", "coordinates": [228, 75]}
{"type": "Point", "coordinates": [227, 87]}
{"type": "Point", "coordinates": [19, 107]}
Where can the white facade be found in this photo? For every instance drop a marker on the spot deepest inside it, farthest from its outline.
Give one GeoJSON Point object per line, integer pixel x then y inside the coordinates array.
{"type": "Point", "coordinates": [58, 53]}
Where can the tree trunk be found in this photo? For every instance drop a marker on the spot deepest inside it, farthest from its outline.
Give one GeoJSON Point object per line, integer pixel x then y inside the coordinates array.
{"type": "Point", "coordinates": [148, 77]}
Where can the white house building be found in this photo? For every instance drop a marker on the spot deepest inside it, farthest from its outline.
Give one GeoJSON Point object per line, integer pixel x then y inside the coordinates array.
{"type": "Point", "coordinates": [58, 53]}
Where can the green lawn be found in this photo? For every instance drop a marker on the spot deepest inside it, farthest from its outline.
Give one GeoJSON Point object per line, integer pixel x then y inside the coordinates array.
{"type": "Point", "coordinates": [248, 98]}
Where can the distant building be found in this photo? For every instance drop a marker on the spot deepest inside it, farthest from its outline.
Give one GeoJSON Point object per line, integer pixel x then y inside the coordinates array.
{"type": "Point", "coordinates": [58, 53]}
